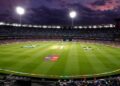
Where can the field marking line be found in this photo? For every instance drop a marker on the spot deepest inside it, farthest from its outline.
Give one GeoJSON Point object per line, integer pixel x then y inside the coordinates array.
{"type": "Point", "coordinates": [42, 75]}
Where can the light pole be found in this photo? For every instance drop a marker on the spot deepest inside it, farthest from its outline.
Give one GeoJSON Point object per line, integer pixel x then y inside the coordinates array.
{"type": "Point", "coordinates": [73, 15]}
{"type": "Point", "coordinates": [20, 11]}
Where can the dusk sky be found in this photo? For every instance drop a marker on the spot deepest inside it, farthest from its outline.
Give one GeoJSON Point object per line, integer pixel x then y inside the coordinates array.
{"type": "Point", "coordinates": [57, 11]}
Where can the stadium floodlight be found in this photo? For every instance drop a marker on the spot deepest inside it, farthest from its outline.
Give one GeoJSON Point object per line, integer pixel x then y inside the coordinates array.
{"type": "Point", "coordinates": [73, 15]}
{"type": "Point", "coordinates": [20, 11]}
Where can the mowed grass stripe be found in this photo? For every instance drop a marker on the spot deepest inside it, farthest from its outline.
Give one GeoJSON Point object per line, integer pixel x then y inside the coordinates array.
{"type": "Point", "coordinates": [113, 51]}
{"type": "Point", "coordinates": [21, 52]}
{"type": "Point", "coordinates": [25, 52]}
{"type": "Point", "coordinates": [97, 64]}
{"type": "Point", "coordinates": [51, 68]}
{"type": "Point", "coordinates": [38, 59]}
{"type": "Point", "coordinates": [57, 68]}
{"type": "Point", "coordinates": [113, 56]}
{"type": "Point", "coordinates": [33, 61]}
{"type": "Point", "coordinates": [19, 59]}
{"type": "Point", "coordinates": [105, 57]}
{"type": "Point", "coordinates": [45, 66]}
{"type": "Point", "coordinates": [85, 66]}
{"type": "Point", "coordinates": [108, 61]}
{"type": "Point", "coordinates": [72, 64]}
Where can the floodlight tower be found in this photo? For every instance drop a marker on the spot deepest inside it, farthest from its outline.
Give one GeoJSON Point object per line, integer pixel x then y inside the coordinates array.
{"type": "Point", "coordinates": [73, 15]}
{"type": "Point", "coordinates": [20, 11]}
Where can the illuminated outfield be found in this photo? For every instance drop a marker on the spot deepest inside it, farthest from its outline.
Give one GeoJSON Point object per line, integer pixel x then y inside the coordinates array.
{"type": "Point", "coordinates": [59, 59]}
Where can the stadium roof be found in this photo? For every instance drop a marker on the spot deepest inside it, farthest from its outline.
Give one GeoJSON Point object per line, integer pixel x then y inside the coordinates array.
{"type": "Point", "coordinates": [57, 11]}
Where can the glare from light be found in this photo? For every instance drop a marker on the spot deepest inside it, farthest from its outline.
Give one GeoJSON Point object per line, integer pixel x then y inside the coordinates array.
{"type": "Point", "coordinates": [80, 27]}
{"type": "Point", "coordinates": [94, 26]}
{"type": "Point", "coordinates": [36, 26]}
{"type": "Point", "coordinates": [58, 27]}
{"type": "Point", "coordinates": [2, 23]}
{"type": "Point", "coordinates": [29, 25]}
{"type": "Point", "coordinates": [44, 26]}
{"type": "Point", "coordinates": [72, 14]}
{"type": "Point", "coordinates": [20, 10]}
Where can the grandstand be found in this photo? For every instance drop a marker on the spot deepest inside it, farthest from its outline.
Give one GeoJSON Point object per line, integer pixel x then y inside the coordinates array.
{"type": "Point", "coordinates": [92, 32]}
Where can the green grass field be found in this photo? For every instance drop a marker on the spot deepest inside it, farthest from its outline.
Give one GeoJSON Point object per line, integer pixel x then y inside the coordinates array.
{"type": "Point", "coordinates": [76, 59]}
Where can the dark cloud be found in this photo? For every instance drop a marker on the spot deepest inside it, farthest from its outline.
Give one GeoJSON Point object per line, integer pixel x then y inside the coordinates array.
{"type": "Point", "coordinates": [56, 11]}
